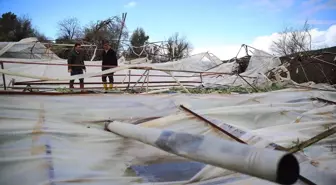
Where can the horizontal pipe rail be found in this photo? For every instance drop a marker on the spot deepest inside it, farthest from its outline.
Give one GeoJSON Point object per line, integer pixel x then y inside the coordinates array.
{"type": "Point", "coordinates": [112, 66]}
{"type": "Point", "coordinates": [39, 93]}
{"type": "Point", "coordinates": [94, 83]}
{"type": "Point", "coordinates": [117, 87]}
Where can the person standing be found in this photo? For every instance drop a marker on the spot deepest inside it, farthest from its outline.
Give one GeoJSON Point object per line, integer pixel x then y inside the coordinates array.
{"type": "Point", "coordinates": [110, 60]}
{"type": "Point", "coordinates": [76, 65]}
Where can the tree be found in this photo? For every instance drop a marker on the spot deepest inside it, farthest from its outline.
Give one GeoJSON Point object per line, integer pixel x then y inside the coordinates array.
{"type": "Point", "coordinates": [177, 47]}
{"type": "Point", "coordinates": [8, 22]}
{"type": "Point", "coordinates": [24, 28]}
{"type": "Point", "coordinates": [138, 40]}
{"type": "Point", "coordinates": [69, 29]}
{"type": "Point", "coordinates": [293, 41]}
{"type": "Point", "coordinates": [41, 37]}
{"type": "Point", "coordinates": [14, 28]}
{"type": "Point", "coordinates": [106, 30]}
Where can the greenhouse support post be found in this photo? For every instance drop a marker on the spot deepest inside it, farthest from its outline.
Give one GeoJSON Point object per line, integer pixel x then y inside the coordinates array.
{"type": "Point", "coordinates": [3, 77]}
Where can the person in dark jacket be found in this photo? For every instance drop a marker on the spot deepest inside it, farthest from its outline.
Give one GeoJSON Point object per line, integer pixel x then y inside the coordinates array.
{"type": "Point", "coordinates": [76, 58]}
{"type": "Point", "coordinates": [110, 59]}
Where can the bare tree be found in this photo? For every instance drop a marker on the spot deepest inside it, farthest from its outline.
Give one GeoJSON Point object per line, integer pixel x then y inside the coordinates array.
{"type": "Point", "coordinates": [293, 41]}
{"type": "Point", "coordinates": [108, 29]}
{"type": "Point", "coordinates": [69, 29]}
{"type": "Point", "coordinates": [178, 47]}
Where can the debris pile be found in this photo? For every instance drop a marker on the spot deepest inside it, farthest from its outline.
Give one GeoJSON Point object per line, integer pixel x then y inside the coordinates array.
{"type": "Point", "coordinates": [241, 109]}
{"type": "Point", "coordinates": [317, 66]}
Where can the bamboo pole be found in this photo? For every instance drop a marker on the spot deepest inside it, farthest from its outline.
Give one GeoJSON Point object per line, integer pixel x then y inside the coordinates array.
{"type": "Point", "coordinates": [313, 140]}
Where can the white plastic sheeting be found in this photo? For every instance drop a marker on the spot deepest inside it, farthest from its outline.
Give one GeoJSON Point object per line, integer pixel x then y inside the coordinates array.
{"type": "Point", "coordinates": [28, 48]}
{"type": "Point", "coordinates": [275, 166]}
{"type": "Point", "coordinates": [259, 64]}
{"type": "Point", "coordinates": [199, 62]}
{"type": "Point", "coordinates": [60, 139]}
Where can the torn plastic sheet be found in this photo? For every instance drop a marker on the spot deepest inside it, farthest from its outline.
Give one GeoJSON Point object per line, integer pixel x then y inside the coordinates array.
{"type": "Point", "coordinates": [82, 153]}
{"type": "Point", "coordinates": [259, 64]}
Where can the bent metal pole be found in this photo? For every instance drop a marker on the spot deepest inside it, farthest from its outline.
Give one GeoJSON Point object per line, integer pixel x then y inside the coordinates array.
{"type": "Point", "coordinates": [275, 166]}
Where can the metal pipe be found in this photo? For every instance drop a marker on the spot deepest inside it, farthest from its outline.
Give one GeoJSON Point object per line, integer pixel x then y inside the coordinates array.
{"type": "Point", "coordinates": [124, 15]}
{"type": "Point", "coordinates": [95, 83]}
{"type": "Point", "coordinates": [39, 93]}
{"type": "Point", "coordinates": [95, 87]}
{"type": "Point", "coordinates": [324, 61]}
{"type": "Point", "coordinates": [3, 77]}
{"type": "Point", "coordinates": [129, 79]}
{"type": "Point", "coordinates": [177, 81]}
{"type": "Point", "coordinates": [131, 67]}
{"type": "Point", "coordinates": [140, 78]}
{"type": "Point", "coordinates": [255, 89]}
{"type": "Point", "coordinates": [201, 78]}
{"type": "Point", "coordinates": [275, 166]}
{"type": "Point", "coordinates": [143, 83]}
{"type": "Point", "coordinates": [147, 81]}
{"type": "Point", "coordinates": [212, 124]}
{"type": "Point", "coordinates": [156, 91]}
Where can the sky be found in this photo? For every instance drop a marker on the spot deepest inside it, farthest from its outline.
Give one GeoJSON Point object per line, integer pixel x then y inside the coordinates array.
{"type": "Point", "coordinates": [217, 26]}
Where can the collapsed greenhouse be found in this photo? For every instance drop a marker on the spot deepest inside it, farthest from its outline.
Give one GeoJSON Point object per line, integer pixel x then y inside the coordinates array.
{"type": "Point", "coordinates": [257, 126]}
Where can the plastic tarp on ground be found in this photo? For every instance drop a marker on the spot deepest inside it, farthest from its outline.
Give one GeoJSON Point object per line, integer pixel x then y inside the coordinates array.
{"type": "Point", "coordinates": [60, 139]}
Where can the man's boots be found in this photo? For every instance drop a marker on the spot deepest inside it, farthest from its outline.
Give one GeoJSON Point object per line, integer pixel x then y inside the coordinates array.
{"type": "Point", "coordinates": [111, 86]}
{"type": "Point", "coordinates": [71, 85]}
{"type": "Point", "coordinates": [105, 86]}
{"type": "Point", "coordinates": [81, 86]}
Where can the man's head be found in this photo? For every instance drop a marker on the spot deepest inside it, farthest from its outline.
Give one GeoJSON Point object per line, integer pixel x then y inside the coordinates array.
{"type": "Point", "coordinates": [106, 46]}
{"type": "Point", "coordinates": [77, 47]}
